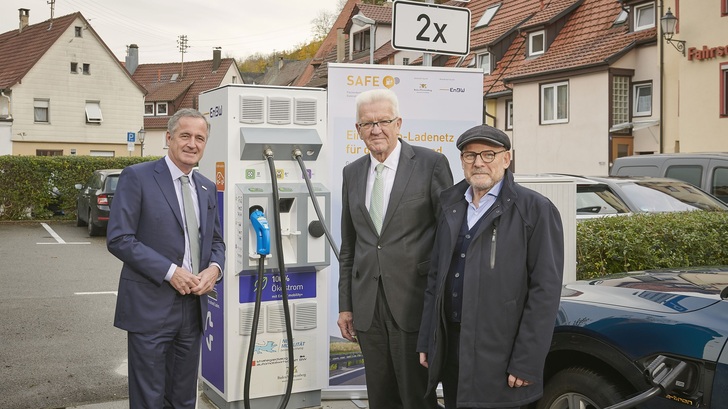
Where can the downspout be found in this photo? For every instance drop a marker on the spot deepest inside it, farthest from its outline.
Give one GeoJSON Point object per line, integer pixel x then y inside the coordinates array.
{"type": "Point", "coordinates": [662, 81]}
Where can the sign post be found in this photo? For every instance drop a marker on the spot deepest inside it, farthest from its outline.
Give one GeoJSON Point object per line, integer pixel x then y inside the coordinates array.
{"type": "Point", "coordinates": [130, 140]}
{"type": "Point", "coordinates": [430, 28]}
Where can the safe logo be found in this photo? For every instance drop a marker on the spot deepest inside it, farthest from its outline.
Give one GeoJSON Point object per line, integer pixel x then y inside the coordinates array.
{"type": "Point", "coordinates": [387, 81]}
{"type": "Point", "coordinates": [269, 347]}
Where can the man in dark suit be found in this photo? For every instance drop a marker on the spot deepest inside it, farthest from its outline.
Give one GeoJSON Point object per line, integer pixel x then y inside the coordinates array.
{"type": "Point", "coordinates": [161, 301]}
{"type": "Point", "coordinates": [389, 206]}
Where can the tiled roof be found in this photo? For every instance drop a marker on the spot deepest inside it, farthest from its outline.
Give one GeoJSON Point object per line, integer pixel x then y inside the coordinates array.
{"type": "Point", "coordinates": [20, 51]}
{"type": "Point", "coordinates": [380, 14]}
{"type": "Point", "coordinates": [187, 85]}
{"type": "Point", "coordinates": [285, 75]}
{"type": "Point", "coordinates": [587, 39]}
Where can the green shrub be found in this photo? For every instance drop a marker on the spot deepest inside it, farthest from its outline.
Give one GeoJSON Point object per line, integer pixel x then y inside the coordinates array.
{"type": "Point", "coordinates": [644, 241]}
{"type": "Point", "coordinates": [26, 182]}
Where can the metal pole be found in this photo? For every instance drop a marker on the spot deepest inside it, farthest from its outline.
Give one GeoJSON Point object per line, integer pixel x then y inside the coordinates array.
{"type": "Point", "coordinates": [371, 43]}
{"type": "Point", "coordinates": [427, 57]}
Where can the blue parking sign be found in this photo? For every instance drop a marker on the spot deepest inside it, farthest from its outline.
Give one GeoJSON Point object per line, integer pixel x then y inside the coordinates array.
{"type": "Point", "coordinates": [131, 137]}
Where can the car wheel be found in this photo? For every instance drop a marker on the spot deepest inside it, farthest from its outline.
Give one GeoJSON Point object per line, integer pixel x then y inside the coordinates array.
{"type": "Point", "coordinates": [580, 388]}
{"type": "Point", "coordinates": [79, 221]}
{"type": "Point", "coordinates": [93, 230]}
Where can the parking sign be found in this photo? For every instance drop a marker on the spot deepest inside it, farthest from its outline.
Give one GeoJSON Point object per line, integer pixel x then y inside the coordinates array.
{"type": "Point", "coordinates": [430, 28]}
{"type": "Point", "coordinates": [131, 137]}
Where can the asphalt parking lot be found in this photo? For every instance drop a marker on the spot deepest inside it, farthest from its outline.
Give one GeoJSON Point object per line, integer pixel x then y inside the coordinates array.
{"type": "Point", "coordinates": [60, 349]}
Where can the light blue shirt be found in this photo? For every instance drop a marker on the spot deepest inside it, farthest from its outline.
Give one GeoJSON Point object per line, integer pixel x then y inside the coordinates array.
{"type": "Point", "coordinates": [486, 202]}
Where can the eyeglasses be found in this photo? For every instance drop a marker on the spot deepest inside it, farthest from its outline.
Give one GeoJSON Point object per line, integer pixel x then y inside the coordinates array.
{"type": "Point", "coordinates": [370, 125]}
{"type": "Point", "coordinates": [487, 156]}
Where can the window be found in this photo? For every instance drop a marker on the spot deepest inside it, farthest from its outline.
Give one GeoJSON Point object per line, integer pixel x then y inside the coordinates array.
{"type": "Point", "coordinates": [536, 43]}
{"type": "Point", "coordinates": [642, 99]}
{"type": "Point", "coordinates": [555, 103]}
{"type": "Point", "coordinates": [148, 108]}
{"type": "Point", "coordinates": [87, 69]}
{"type": "Point", "coordinates": [720, 184]}
{"type": "Point", "coordinates": [509, 114]}
{"type": "Point", "coordinates": [93, 112]}
{"type": "Point", "coordinates": [644, 16]}
{"type": "Point", "coordinates": [688, 173]}
{"type": "Point", "coordinates": [361, 41]}
{"type": "Point", "coordinates": [77, 31]}
{"type": "Point", "coordinates": [484, 63]}
{"type": "Point", "coordinates": [41, 111]}
{"type": "Point", "coordinates": [161, 108]}
{"type": "Point", "coordinates": [48, 152]}
{"type": "Point", "coordinates": [488, 16]}
{"type": "Point", "coordinates": [405, 61]}
{"type": "Point", "coordinates": [74, 68]}
{"type": "Point", "coordinates": [724, 7]}
{"type": "Point", "coordinates": [724, 89]}
{"type": "Point", "coordinates": [620, 100]}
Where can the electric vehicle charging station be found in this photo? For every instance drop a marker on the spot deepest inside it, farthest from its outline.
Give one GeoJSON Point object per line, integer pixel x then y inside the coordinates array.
{"type": "Point", "coordinates": [254, 132]}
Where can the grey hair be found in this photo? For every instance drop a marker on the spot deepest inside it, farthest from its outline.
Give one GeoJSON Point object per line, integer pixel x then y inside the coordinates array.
{"type": "Point", "coordinates": [185, 113]}
{"type": "Point", "coordinates": [375, 95]}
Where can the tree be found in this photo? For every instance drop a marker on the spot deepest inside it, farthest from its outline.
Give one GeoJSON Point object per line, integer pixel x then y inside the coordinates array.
{"type": "Point", "coordinates": [322, 24]}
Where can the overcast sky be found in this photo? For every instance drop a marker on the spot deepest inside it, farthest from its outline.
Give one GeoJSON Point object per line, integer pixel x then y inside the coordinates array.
{"type": "Point", "coordinates": [240, 27]}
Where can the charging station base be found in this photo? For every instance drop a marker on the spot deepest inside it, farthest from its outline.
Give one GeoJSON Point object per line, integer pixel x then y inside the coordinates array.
{"type": "Point", "coordinates": [308, 399]}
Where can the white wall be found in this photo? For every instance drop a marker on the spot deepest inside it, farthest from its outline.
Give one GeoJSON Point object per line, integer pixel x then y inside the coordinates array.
{"type": "Point", "coordinates": [580, 146]}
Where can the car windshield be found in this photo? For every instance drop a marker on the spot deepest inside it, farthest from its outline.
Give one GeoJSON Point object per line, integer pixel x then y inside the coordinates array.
{"type": "Point", "coordinates": [598, 199]}
{"type": "Point", "coordinates": [668, 196]}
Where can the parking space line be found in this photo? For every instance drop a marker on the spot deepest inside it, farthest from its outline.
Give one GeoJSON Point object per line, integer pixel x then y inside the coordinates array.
{"type": "Point", "coordinates": [59, 239]}
{"type": "Point", "coordinates": [97, 293]}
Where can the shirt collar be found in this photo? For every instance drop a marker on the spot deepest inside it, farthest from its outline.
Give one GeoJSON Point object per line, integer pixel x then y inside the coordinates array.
{"type": "Point", "coordinates": [494, 191]}
{"type": "Point", "coordinates": [175, 171]}
{"type": "Point", "coordinates": [392, 160]}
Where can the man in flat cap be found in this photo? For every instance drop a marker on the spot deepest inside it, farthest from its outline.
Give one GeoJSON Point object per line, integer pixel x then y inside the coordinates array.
{"type": "Point", "coordinates": [494, 283]}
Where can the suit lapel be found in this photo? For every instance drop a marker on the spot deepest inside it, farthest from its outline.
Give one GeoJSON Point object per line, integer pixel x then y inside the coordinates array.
{"type": "Point", "coordinates": [360, 173]}
{"type": "Point", "coordinates": [166, 185]}
{"type": "Point", "coordinates": [201, 202]}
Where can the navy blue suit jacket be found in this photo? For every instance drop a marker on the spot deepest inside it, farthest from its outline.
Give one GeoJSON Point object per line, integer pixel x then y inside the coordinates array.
{"type": "Point", "coordinates": [146, 233]}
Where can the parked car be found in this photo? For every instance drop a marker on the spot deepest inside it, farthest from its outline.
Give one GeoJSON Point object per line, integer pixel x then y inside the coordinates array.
{"type": "Point", "coordinates": [94, 200]}
{"type": "Point", "coordinates": [708, 171]}
{"type": "Point", "coordinates": [610, 329]}
{"type": "Point", "coordinates": [597, 199]}
{"type": "Point", "coordinates": [645, 194]}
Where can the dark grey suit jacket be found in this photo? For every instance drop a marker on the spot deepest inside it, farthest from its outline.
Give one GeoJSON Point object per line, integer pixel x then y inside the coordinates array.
{"type": "Point", "coordinates": [146, 232]}
{"type": "Point", "coordinates": [400, 257]}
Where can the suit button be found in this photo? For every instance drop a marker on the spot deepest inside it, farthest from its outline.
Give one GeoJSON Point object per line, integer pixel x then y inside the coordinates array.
{"type": "Point", "coordinates": [379, 247]}
{"type": "Point", "coordinates": [376, 278]}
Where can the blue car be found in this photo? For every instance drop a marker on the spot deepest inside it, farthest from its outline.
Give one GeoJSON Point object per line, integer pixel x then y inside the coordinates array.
{"type": "Point", "coordinates": [610, 329]}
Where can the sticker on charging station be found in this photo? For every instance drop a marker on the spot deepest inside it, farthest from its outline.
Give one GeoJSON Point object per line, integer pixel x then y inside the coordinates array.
{"type": "Point", "coordinates": [298, 285]}
{"type": "Point", "coordinates": [220, 176]}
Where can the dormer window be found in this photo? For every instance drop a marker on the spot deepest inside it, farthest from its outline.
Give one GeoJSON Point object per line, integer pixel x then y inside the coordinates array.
{"type": "Point", "coordinates": [488, 16]}
{"type": "Point", "coordinates": [361, 41]}
{"type": "Point", "coordinates": [644, 16]}
{"type": "Point", "coordinates": [161, 108]}
{"type": "Point", "coordinates": [484, 62]}
{"type": "Point", "coordinates": [536, 43]}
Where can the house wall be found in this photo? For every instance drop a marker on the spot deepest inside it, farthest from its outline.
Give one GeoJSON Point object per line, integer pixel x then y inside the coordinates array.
{"type": "Point", "coordinates": [645, 64]}
{"type": "Point", "coordinates": [692, 107]}
{"type": "Point", "coordinates": [121, 100]}
{"type": "Point", "coordinates": [579, 146]}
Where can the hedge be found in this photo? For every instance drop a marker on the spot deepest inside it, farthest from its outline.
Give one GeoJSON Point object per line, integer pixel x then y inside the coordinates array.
{"type": "Point", "coordinates": [26, 182]}
{"type": "Point", "coordinates": [654, 240]}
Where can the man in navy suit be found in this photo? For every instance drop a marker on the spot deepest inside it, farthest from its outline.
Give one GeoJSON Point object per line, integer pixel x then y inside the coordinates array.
{"type": "Point", "coordinates": [162, 301]}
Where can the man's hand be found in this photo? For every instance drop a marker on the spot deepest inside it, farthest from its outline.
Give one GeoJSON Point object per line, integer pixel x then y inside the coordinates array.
{"type": "Point", "coordinates": [516, 382]}
{"type": "Point", "coordinates": [183, 281]}
{"type": "Point", "coordinates": [423, 360]}
{"type": "Point", "coordinates": [208, 278]}
{"type": "Point", "coordinates": [346, 325]}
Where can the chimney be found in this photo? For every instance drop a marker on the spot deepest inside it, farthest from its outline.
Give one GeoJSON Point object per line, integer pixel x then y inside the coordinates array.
{"type": "Point", "coordinates": [24, 16]}
{"type": "Point", "coordinates": [216, 58]}
{"type": "Point", "coordinates": [280, 63]}
{"type": "Point", "coordinates": [340, 43]}
{"type": "Point", "coordinates": [132, 58]}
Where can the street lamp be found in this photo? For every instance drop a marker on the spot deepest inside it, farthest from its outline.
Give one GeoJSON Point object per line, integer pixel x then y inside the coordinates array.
{"type": "Point", "coordinates": [668, 22]}
{"type": "Point", "coordinates": [362, 20]}
{"type": "Point", "coordinates": [142, 134]}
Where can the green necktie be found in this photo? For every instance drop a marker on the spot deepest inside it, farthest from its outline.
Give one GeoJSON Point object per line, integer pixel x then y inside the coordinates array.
{"type": "Point", "coordinates": [191, 222]}
{"type": "Point", "coordinates": [376, 205]}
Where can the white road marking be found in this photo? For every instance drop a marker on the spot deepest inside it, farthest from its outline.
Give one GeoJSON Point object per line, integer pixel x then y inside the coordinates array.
{"type": "Point", "coordinates": [97, 293]}
{"type": "Point", "coordinates": [58, 238]}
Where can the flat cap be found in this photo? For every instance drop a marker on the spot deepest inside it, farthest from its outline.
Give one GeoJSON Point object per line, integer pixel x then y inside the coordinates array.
{"type": "Point", "coordinates": [484, 133]}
